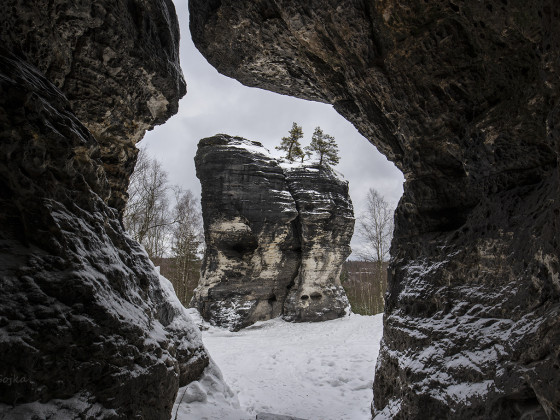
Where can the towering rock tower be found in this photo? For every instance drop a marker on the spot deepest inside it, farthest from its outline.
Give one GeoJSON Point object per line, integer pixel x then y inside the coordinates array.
{"type": "Point", "coordinates": [276, 237]}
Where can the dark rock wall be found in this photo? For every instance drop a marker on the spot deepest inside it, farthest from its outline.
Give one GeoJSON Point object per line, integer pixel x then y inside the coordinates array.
{"type": "Point", "coordinates": [275, 238]}
{"type": "Point", "coordinates": [464, 98]}
{"type": "Point", "coordinates": [117, 63]}
{"type": "Point", "coordinates": [86, 328]}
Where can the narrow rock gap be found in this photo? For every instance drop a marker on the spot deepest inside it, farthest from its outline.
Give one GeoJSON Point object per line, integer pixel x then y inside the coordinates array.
{"type": "Point", "coordinates": [354, 149]}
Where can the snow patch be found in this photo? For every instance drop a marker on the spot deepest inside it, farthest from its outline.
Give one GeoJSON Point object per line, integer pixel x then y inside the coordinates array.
{"type": "Point", "coordinates": [56, 409]}
{"type": "Point", "coordinates": [390, 411]}
{"type": "Point", "coordinates": [250, 146]}
{"type": "Point", "coordinates": [208, 398]}
{"type": "Point", "coordinates": [231, 311]}
{"type": "Point", "coordinates": [465, 391]}
{"type": "Point", "coordinates": [319, 370]}
{"type": "Point", "coordinates": [287, 165]}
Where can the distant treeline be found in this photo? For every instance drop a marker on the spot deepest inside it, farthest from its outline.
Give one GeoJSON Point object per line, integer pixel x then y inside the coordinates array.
{"type": "Point", "coordinates": [183, 275]}
{"type": "Point", "coordinates": [365, 284]}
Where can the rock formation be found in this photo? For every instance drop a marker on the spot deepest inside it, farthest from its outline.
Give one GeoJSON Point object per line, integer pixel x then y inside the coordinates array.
{"type": "Point", "coordinates": [325, 225]}
{"type": "Point", "coordinates": [86, 328]}
{"type": "Point", "coordinates": [117, 63]}
{"type": "Point", "coordinates": [464, 98]}
{"type": "Point", "coordinates": [275, 238]}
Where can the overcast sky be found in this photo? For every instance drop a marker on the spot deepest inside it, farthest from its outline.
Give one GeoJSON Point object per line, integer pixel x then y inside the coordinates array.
{"type": "Point", "coordinates": [217, 104]}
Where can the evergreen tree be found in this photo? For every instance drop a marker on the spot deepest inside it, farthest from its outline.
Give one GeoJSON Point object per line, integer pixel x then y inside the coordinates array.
{"type": "Point", "coordinates": [325, 147]}
{"type": "Point", "coordinates": [291, 144]}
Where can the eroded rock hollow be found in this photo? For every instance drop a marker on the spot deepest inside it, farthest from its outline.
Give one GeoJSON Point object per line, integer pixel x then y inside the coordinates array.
{"type": "Point", "coordinates": [464, 98]}
{"type": "Point", "coordinates": [276, 237]}
{"type": "Point", "coordinates": [87, 330]}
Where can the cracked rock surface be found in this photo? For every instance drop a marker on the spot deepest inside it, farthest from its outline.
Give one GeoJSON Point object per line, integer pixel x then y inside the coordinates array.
{"type": "Point", "coordinates": [117, 63]}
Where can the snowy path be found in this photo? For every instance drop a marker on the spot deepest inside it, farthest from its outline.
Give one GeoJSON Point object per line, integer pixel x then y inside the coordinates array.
{"type": "Point", "coordinates": [308, 370]}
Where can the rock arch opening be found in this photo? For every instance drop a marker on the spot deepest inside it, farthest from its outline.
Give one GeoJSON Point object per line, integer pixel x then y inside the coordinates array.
{"type": "Point", "coordinates": [462, 97]}
{"type": "Point", "coordinates": [263, 118]}
{"type": "Point", "coordinates": [466, 106]}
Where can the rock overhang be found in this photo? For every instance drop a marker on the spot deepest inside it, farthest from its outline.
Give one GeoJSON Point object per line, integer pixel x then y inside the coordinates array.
{"type": "Point", "coordinates": [463, 98]}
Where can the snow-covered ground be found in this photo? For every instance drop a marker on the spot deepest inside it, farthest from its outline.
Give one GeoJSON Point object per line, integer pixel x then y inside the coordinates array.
{"type": "Point", "coordinates": [309, 370]}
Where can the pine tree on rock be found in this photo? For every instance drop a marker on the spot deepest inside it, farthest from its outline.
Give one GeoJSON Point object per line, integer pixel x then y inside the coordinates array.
{"type": "Point", "coordinates": [291, 144]}
{"type": "Point", "coordinates": [325, 147]}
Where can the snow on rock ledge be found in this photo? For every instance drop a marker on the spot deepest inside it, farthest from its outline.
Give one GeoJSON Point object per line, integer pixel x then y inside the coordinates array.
{"type": "Point", "coordinates": [276, 237]}
{"type": "Point", "coordinates": [86, 329]}
{"type": "Point", "coordinates": [208, 398]}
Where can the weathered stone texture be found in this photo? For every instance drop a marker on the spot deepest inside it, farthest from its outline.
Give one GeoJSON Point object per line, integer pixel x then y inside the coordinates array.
{"type": "Point", "coordinates": [87, 328]}
{"type": "Point", "coordinates": [275, 238]}
{"type": "Point", "coordinates": [251, 255]}
{"type": "Point", "coordinates": [326, 225]}
{"type": "Point", "coordinates": [464, 98]}
{"type": "Point", "coordinates": [117, 63]}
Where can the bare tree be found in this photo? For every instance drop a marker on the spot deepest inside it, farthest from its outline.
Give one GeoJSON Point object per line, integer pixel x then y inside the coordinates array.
{"type": "Point", "coordinates": [375, 228]}
{"type": "Point", "coordinates": [166, 221]}
{"type": "Point", "coordinates": [147, 217]}
{"type": "Point", "coordinates": [186, 241]}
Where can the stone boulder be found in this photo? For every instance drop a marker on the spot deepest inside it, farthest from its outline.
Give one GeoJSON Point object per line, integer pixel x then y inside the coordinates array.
{"type": "Point", "coordinates": [275, 237]}
{"type": "Point", "coordinates": [117, 63]}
